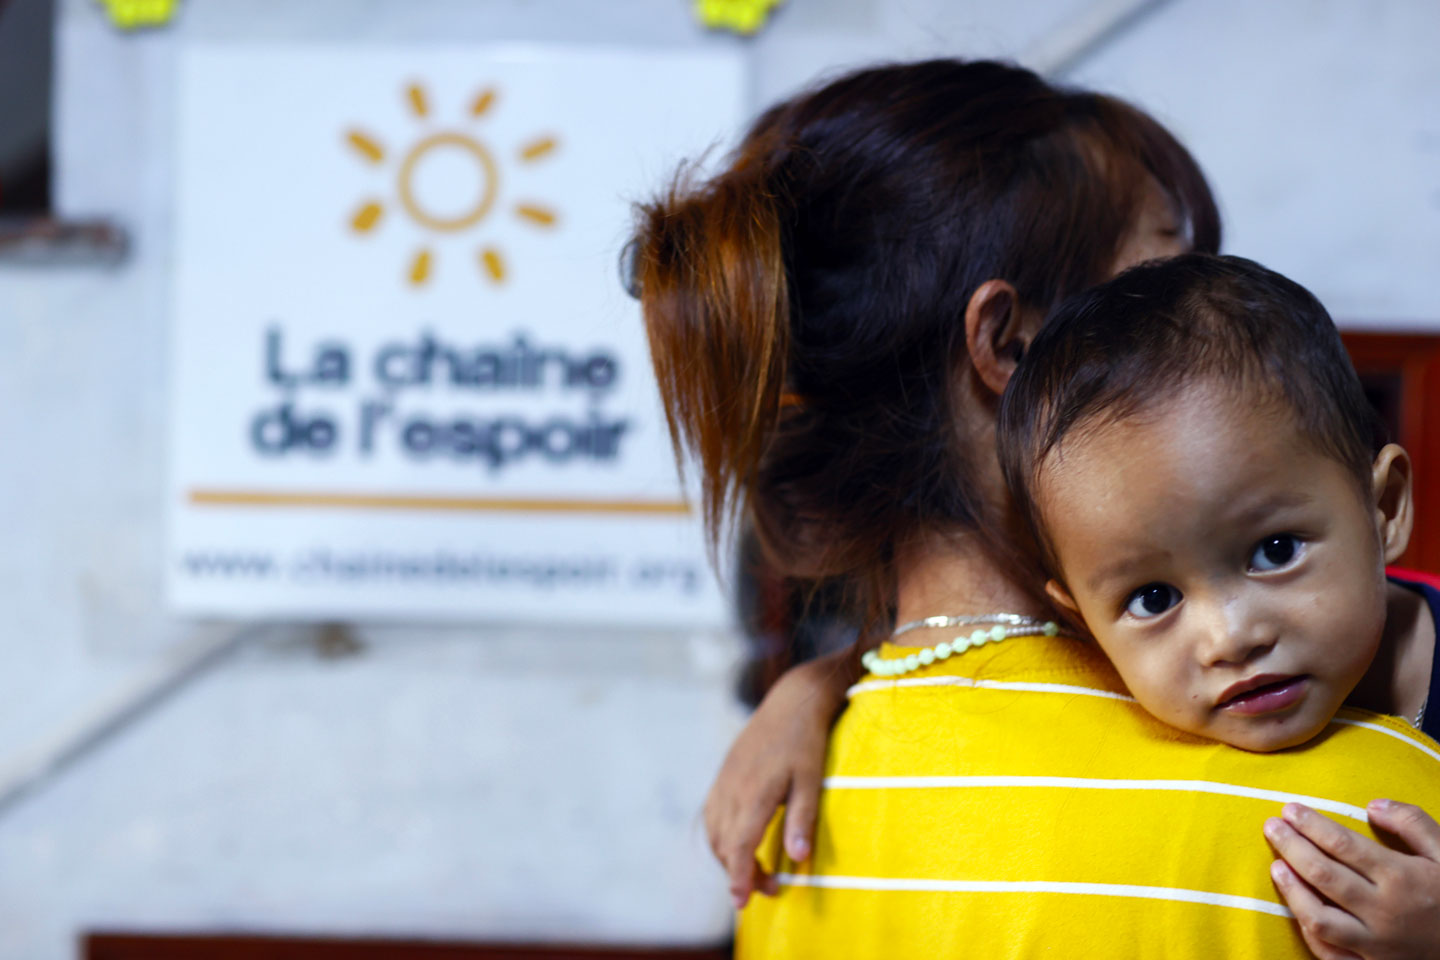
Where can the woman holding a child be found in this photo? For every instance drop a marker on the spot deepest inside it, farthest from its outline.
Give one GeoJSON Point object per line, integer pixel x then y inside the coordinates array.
{"type": "Point", "coordinates": [834, 320]}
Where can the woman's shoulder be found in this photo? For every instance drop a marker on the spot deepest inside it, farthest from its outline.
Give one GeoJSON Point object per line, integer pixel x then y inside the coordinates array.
{"type": "Point", "coordinates": [1059, 710]}
{"type": "Point", "coordinates": [1381, 739]}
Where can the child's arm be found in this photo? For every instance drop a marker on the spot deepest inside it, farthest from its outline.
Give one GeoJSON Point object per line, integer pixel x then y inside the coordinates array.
{"type": "Point", "coordinates": [1384, 905]}
{"type": "Point", "coordinates": [778, 758]}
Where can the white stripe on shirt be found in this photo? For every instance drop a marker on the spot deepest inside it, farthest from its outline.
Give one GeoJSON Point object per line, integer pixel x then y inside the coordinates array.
{"type": "Point", "coordinates": [1389, 733]}
{"type": "Point", "coordinates": [868, 686]}
{"type": "Point", "coordinates": [1088, 783]}
{"type": "Point", "coordinates": [1034, 886]}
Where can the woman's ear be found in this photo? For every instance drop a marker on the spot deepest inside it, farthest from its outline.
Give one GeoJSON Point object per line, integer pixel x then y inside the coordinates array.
{"type": "Point", "coordinates": [1391, 486]}
{"type": "Point", "coordinates": [994, 333]}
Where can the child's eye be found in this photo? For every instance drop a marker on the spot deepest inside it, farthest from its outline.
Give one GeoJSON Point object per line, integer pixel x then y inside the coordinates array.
{"type": "Point", "coordinates": [1275, 553]}
{"type": "Point", "coordinates": [1152, 600]}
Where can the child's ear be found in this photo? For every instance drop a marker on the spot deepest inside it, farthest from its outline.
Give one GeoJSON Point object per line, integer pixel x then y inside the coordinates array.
{"type": "Point", "coordinates": [1056, 591]}
{"type": "Point", "coordinates": [1391, 489]}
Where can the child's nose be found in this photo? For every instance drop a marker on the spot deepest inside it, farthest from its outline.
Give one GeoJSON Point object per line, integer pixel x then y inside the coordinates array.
{"type": "Point", "coordinates": [1239, 632]}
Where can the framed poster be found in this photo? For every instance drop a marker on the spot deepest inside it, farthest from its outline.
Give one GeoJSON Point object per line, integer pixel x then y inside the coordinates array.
{"type": "Point", "coordinates": [406, 381]}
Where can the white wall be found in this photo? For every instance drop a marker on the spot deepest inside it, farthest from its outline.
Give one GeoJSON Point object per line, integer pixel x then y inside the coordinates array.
{"type": "Point", "coordinates": [1318, 123]}
{"type": "Point", "coordinates": [488, 783]}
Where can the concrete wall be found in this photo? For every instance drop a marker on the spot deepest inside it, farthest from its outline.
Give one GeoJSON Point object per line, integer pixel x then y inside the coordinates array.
{"type": "Point", "coordinates": [505, 784]}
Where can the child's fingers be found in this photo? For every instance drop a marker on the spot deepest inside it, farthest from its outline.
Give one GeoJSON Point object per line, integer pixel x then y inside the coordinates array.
{"type": "Point", "coordinates": [746, 881]}
{"type": "Point", "coordinates": [1329, 877]}
{"type": "Point", "coordinates": [800, 809]}
{"type": "Point", "coordinates": [722, 813]}
{"type": "Point", "coordinates": [737, 852]}
{"type": "Point", "coordinates": [1408, 822]}
{"type": "Point", "coordinates": [1360, 854]}
{"type": "Point", "coordinates": [740, 865]}
{"type": "Point", "coordinates": [751, 880]}
{"type": "Point", "coordinates": [743, 879]}
{"type": "Point", "coordinates": [1328, 931]}
{"type": "Point", "coordinates": [766, 883]}
{"type": "Point", "coordinates": [748, 829]}
{"type": "Point", "coordinates": [714, 825]}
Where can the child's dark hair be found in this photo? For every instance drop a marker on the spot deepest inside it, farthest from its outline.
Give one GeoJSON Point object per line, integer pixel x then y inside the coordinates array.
{"type": "Point", "coordinates": [805, 306]}
{"type": "Point", "coordinates": [1141, 337]}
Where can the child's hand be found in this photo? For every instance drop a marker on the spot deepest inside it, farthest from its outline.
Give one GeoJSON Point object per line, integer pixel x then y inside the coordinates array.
{"type": "Point", "coordinates": [778, 758]}
{"type": "Point", "coordinates": [1383, 905]}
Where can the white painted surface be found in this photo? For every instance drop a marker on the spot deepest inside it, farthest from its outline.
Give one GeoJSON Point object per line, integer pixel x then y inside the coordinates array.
{"type": "Point", "coordinates": [423, 785]}
{"type": "Point", "coordinates": [1318, 124]}
{"type": "Point", "coordinates": [435, 785]}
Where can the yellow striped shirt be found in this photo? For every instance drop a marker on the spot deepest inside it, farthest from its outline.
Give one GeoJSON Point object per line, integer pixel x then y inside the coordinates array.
{"type": "Point", "coordinates": [1015, 802]}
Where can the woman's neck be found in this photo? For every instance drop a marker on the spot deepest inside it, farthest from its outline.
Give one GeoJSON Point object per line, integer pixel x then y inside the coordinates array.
{"type": "Point", "coordinates": [1399, 678]}
{"type": "Point", "coordinates": [956, 575]}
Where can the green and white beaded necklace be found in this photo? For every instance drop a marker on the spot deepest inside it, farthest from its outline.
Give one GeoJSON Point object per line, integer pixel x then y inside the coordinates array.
{"type": "Point", "coordinates": [1003, 627]}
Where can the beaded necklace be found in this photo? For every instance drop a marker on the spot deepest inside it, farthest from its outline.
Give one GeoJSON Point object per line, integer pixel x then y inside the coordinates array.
{"type": "Point", "coordinates": [1005, 625]}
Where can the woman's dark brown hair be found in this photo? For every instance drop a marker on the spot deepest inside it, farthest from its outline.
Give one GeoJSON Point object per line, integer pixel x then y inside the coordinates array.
{"type": "Point", "coordinates": [805, 307]}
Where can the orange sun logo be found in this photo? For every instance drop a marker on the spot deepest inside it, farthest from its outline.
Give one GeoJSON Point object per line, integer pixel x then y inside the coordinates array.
{"type": "Point", "coordinates": [449, 157]}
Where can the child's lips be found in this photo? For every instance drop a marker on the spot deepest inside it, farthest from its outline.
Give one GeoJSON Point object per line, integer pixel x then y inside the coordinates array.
{"type": "Point", "coordinates": [1268, 693]}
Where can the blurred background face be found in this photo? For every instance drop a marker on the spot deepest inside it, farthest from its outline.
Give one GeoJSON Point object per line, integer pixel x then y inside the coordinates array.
{"type": "Point", "coordinates": [494, 656]}
{"type": "Point", "coordinates": [1158, 231]}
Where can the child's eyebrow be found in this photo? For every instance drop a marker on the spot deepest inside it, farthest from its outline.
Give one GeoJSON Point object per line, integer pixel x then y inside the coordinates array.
{"type": "Point", "coordinates": [1272, 501]}
{"type": "Point", "coordinates": [1247, 514]}
{"type": "Point", "coordinates": [1124, 569]}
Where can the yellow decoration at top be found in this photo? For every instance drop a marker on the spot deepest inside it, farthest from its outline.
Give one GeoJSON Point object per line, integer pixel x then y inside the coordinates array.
{"type": "Point", "coordinates": [131, 14]}
{"type": "Point", "coordinates": [742, 16]}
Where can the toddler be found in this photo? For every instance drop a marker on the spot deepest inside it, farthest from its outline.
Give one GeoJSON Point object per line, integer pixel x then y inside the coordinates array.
{"type": "Point", "coordinates": [1212, 498]}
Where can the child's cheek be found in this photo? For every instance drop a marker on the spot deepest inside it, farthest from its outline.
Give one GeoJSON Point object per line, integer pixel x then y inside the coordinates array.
{"type": "Point", "coordinates": [1137, 668]}
{"type": "Point", "coordinates": [1164, 689]}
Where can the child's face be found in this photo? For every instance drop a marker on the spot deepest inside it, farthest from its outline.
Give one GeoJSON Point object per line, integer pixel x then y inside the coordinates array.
{"type": "Point", "coordinates": [1232, 573]}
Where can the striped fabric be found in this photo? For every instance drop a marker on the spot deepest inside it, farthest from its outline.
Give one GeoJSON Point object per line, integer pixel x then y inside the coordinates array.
{"type": "Point", "coordinates": [1015, 802]}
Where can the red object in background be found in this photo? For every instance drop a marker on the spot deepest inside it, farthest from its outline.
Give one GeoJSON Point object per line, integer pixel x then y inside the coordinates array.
{"type": "Point", "coordinates": [1414, 576]}
{"type": "Point", "coordinates": [1401, 373]}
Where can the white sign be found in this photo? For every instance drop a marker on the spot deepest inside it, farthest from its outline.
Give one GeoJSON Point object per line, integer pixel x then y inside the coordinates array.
{"type": "Point", "coordinates": [406, 380]}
